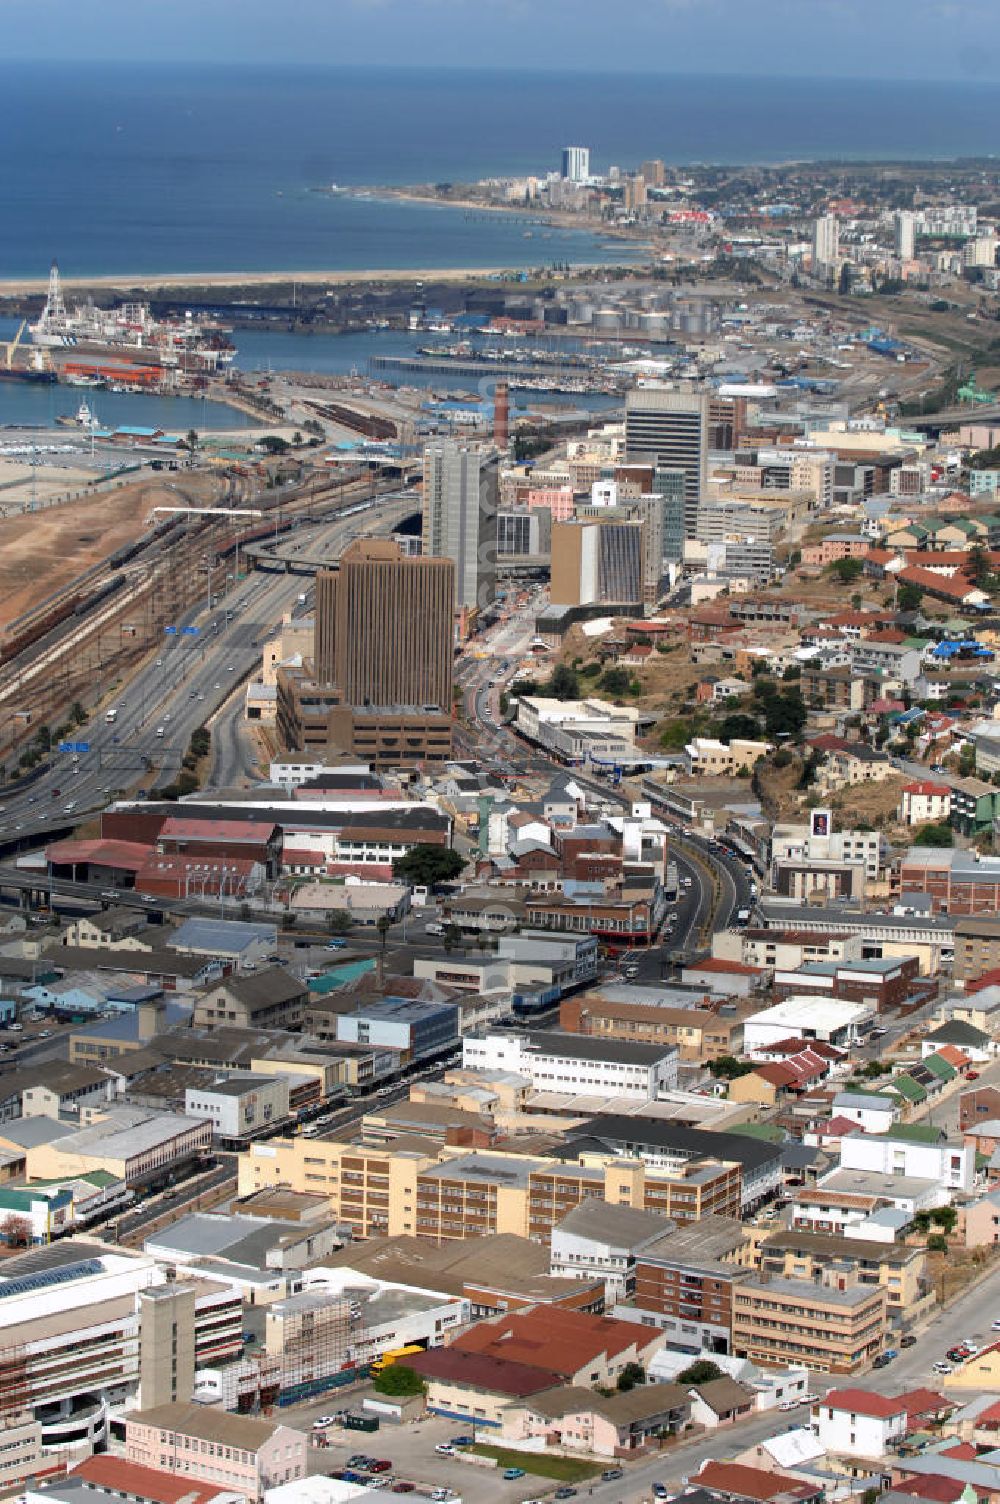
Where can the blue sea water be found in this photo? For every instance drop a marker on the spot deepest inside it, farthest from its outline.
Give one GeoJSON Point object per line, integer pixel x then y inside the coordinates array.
{"type": "Point", "coordinates": [115, 169]}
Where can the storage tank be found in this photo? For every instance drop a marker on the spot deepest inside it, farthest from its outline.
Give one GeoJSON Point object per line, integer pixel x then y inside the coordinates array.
{"type": "Point", "coordinates": [607, 319]}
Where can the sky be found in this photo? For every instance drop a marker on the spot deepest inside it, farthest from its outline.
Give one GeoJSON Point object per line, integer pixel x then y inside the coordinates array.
{"type": "Point", "coordinates": [903, 39]}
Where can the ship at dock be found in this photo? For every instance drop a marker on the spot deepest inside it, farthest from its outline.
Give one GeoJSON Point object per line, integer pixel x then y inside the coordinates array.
{"type": "Point", "coordinates": [126, 344]}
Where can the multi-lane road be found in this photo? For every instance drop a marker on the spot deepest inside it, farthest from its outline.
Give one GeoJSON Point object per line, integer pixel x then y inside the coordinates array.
{"type": "Point", "coordinates": [196, 676]}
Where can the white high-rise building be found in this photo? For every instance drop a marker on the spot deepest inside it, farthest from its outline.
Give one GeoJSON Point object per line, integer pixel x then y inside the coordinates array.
{"type": "Point", "coordinates": [826, 241]}
{"type": "Point", "coordinates": [460, 516]}
{"type": "Point", "coordinates": [906, 234]}
{"type": "Point", "coordinates": [576, 163]}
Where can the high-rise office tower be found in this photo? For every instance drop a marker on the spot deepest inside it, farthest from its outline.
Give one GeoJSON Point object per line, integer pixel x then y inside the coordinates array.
{"type": "Point", "coordinates": [906, 234]}
{"type": "Point", "coordinates": [501, 415]}
{"type": "Point", "coordinates": [634, 193]}
{"type": "Point", "coordinates": [826, 241]}
{"type": "Point", "coordinates": [576, 163]}
{"type": "Point", "coordinates": [384, 627]}
{"type": "Point", "coordinates": [460, 517]}
{"type": "Point", "coordinates": [669, 428]}
{"type": "Point", "coordinates": [597, 562]}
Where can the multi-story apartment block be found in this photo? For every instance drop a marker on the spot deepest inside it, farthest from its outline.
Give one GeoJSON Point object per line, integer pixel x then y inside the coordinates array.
{"type": "Point", "coordinates": [835, 1326]}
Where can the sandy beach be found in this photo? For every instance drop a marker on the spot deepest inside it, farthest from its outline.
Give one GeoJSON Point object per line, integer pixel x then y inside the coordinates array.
{"type": "Point", "coordinates": [159, 281]}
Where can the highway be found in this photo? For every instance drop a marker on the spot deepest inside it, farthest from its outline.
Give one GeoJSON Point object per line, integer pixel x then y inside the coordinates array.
{"type": "Point", "coordinates": [198, 673]}
{"type": "Point", "coordinates": [714, 885]}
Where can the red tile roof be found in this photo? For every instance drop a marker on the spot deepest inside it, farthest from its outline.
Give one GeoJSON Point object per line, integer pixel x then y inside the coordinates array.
{"type": "Point", "coordinates": [934, 1487]}
{"type": "Point", "coordinates": [751, 1482]}
{"type": "Point", "coordinates": [988, 979]}
{"type": "Point", "coordinates": [727, 968]}
{"type": "Point", "coordinates": [926, 788]}
{"type": "Point", "coordinates": [177, 827]}
{"type": "Point", "coordinates": [483, 1371]}
{"type": "Point", "coordinates": [554, 1336]}
{"type": "Point", "coordinates": [127, 855]}
{"type": "Point", "coordinates": [864, 1402]}
{"type": "Point", "coordinates": [925, 1402]}
{"type": "Point", "coordinates": [138, 1482]}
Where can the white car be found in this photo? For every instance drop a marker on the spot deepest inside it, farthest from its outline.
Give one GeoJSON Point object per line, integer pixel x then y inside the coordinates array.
{"type": "Point", "coordinates": [942, 1368]}
{"type": "Point", "coordinates": [322, 1421]}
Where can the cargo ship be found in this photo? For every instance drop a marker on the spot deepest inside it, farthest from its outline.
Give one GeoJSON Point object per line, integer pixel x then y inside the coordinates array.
{"type": "Point", "coordinates": [187, 346]}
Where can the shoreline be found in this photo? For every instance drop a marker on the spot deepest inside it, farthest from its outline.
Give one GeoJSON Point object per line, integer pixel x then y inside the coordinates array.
{"type": "Point", "coordinates": [12, 287]}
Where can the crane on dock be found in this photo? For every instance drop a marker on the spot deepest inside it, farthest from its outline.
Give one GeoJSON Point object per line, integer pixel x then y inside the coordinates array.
{"type": "Point", "coordinates": [12, 345]}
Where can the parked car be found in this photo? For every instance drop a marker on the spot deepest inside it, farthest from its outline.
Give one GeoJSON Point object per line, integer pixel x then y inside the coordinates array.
{"type": "Point", "coordinates": [611, 1473]}
{"type": "Point", "coordinates": [402, 1487]}
{"type": "Point", "coordinates": [322, 1421]}
{"type": "Point", "coordinates": [445, 1449]}
{"type": "Point", "coordinates": [511, 1474]}
{"type": "Point", "coordinates": [380, 1465]}
{"type": "Point", "coordinates": [910, 1341]}
{"type": "Point", "coordinates": [565, 1492]}
{"type": "Point", "coordinates": [463, 1441]}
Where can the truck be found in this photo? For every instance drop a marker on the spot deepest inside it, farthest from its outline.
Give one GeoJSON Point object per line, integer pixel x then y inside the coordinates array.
{"type": "Point", "coordinates": [111, 716]}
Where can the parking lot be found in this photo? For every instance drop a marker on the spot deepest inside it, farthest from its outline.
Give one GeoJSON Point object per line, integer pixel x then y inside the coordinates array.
{"type": "Point", "coordinates": [410, 1449]}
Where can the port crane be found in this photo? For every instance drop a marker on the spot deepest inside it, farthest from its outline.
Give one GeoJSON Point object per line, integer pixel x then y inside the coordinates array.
{"type": "Point", "coordinates": [12, 345]}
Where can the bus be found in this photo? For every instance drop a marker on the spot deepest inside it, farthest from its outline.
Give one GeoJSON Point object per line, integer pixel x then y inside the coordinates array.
{"type": "Point", "coordinates": [395, 1355]}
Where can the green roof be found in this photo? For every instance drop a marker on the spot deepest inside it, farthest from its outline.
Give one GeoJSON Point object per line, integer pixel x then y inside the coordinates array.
{"type": "Point", "coordinates": [939, 1067]}
{"type": "Point", "coordinates": [769, 1132]}
{"type": "Point", "coordinates": [340, 976]}
{"type": "Point", "coordinates": [101, 1180]}
{"type": "Point", "coordinates": [908, 1089]}
{"type": "Point", "coordinates": [917, 1133]}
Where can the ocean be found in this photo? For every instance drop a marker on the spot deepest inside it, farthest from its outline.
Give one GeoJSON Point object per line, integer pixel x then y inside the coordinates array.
{"type": "Point", "coordinates": [114, 169]}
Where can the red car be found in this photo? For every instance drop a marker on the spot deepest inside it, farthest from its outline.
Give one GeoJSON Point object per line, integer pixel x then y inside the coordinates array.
{"type": "Point", "coordinates": [380, 1465]}
{"type": "Point", "coordinates": [972, 1075]}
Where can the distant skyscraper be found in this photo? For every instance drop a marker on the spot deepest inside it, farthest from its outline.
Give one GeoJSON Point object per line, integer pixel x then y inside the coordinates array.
{"type": "Point", "coordinates": [654, 172]}
{"type": "Point", "coordinates": [384, 627]}
{"type": "Point", "coordinates": [826, 241]}
{"type": "Point", "coordinates": [906, 234]}
{"type": "Point", "coordinates": [576, 163]}
{"type": "Point", "coordinates": [669, 428]}
{"type": "Point", "coordinates": [460, 517]}
{"type": "Point", "coordinates": [634, 196]}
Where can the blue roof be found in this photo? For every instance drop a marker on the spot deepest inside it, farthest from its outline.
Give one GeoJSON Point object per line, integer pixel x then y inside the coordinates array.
{"type": "Point", "coordinates": [225, 936]}
{"type": "Point", "coordinates": [138, 432]}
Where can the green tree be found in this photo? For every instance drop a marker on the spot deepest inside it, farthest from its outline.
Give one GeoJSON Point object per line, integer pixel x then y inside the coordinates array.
{"type": "Point", "coordinates": [701, 1371]}
{"type": "Point", "coordinates": [738, 726]}
{"type": "Point", "coordinates": [565, 683]}
{"type": "Point", "coordinates": [631, 1375]}
{"type": "Point", "coordinates": [192, 440]}
{"type": "Point", "coordinates": [423, 866]}
{"type": "Point", "coordinates": [398, 1380]}
{"type": "Point", "coordinates": [937, 1243]}
{"type": "Point", "coordinates": [846, 570]}
{"type": "Point", "coordinates": [272, 443]}
{"type": "Point", "coordinates": [909, 597]}
{"type": "Point", "coordinates": [339, 922]}
{"type": "Point", "coordinates": [934, 835]}
{"type": "Point", "coordinates": [616, 681]}
{"type": "Point", "coordinates": [945, 1217]}
{"type": "Point", "coordinates": [979, 567]}
{"type": "Point", "coordinates": [727, 1067]}
{"type": "Point", "coordinates": [78, 713]}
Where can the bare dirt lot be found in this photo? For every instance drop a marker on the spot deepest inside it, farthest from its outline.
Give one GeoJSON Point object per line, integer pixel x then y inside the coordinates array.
{"type": "Point", "coordinates": [42, 551]}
